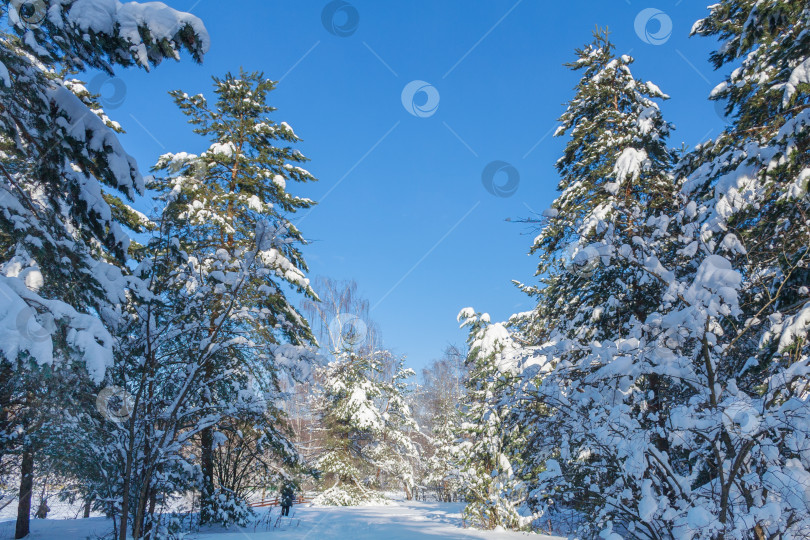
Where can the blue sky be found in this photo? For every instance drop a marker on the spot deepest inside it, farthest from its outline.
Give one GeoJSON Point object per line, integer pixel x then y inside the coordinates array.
{"type": "Point", "coordinates": [402, 206]}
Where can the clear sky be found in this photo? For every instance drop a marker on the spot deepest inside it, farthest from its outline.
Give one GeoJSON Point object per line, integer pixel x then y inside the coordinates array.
{"type": "Point", "coordinates": [403, 209]}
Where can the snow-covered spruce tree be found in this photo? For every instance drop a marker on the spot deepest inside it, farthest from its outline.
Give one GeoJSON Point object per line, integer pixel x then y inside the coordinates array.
{"type": "Point", "coordinates": [601, 394]}
{"type": "Point", "coordinates": [366, 425]}
{"type": "Point", "coordinates": [442, 468]}
{"type": "Point", "coordinates": [614, 182]}
{"type": "Point", "coordinates": [730, 331]}
{"type": "Point", "coordinates": [61, 165]}
{"type": "Point", "coordinates": [439, 399]}
{"type": "Point", "coordinates": [395, 454]}
{"type": "Point", "coordinates": [212, 334]}
{"type": "Point", "coordinates": [492, 441]}
{"type": "Point", "coordinates": [62, 161]}
{"type": "Point", "coordinates": [734, 327]}
{"type": "Point", "coordinates": [349, 422]}
{"type": "Point", "coordinates": [388, 455]}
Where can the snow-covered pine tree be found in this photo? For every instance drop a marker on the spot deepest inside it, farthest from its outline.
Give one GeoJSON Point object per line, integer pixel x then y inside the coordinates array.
{"type": "Point", "coordinates": [734, 327]}
{"type": "Point", "coordinates": [61, 174]}
{"type": "Point", "coordinates": [395, 453]}
{"type": "Point", "coordinates": [349, 422]}
{"type": "Point", "coordinates": [438, 400]}
{"type": "Point", "coordinates": [36, 426]}
{"type": "Point", "coordinates": [491, 440]}
{"type": "Point", "coordinates": [366, 424]}
{"type": "Point", "coordinates": [62, 161]}
{"type": "Point", "coordinates": [219, 273]}
{"type": "Point", "coordinates": [442, 468]}
{"type": "Point", "coordinates": [363, 436]}
{"type": "Point", "coordinates": [751, 184]}
{"type": "Point", "coordinates": [614, 178]}
{"type": "Point", "coordinates": [601, 394]}
{"type": "Point", "coordinates": [208, 331]}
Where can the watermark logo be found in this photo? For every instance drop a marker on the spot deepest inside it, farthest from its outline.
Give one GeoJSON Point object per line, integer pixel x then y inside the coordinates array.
{"type": "Point", "coordinates": [347, 331]}
{"type": "Point", "coordinates": [500, 170]}
{"type": "Point", "coordinates": [104, 272]}
{"type": "Point", "coordinates": [30, 13]}
{"type": "Point", "coordinates": [199, 169]}
{"type": "Point", "coordinates": [582, 261]}
{"type": "Point", "coordinates": [720, 107]}
{"type": "Point", "coordinates": [741, 418]}
{"type": "Point", "coordinates": [115, 404]}
{"type": "Point", "coordinates": [653, 26]}
{"type": "Point", "coordinates": [420, 98]}
{"type": "Point", "coordinates": [111, 91]}
{"type": "Point", "coordinates": [340, 18]}
{"type": "Point", "coordinates": [33, 327]}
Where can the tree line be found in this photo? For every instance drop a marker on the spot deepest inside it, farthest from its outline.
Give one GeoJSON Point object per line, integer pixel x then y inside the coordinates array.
{"type": "Point", "coordinates": [658, 389]}
{"type": "Point", "coordinates": [153, 364]}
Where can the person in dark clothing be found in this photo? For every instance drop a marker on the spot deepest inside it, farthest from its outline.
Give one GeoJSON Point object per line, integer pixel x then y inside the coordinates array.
{"type": "Point", "coordinates": [287, 498]}
{"type": "Point", "coordinates": [42, 511]}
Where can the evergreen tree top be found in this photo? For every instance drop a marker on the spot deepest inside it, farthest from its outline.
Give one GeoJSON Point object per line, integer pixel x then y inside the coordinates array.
{"type": "Point", "coordinates": [243, 160]}
{"type": "Point", "coordinates": [610, 110]}
{"type": "Point", "coordinates": [617, 153]}
{"type": "Point", "coordinates": [225, 225]}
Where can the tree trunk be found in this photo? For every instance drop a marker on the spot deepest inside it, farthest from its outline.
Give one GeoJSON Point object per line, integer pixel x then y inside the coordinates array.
{"type": "Point", "coordinates": [143, 494]}
{"type": "Point", "coordinates": [207, 440]}
{"type": "Point", "coordinates": [26, 493]}
{"type": "Point", "coordinates": [656, 407]}
{"type": "Point", "coordinates": [88, 503]}
{"type": "Point", "coordinates": [140, 511]}
{"type": "Point", "coordinates": [122, 529]}
{"type": "Point", "coordinates": [207, 465]}
{"type": "Point", "coordinates": [149, 525]}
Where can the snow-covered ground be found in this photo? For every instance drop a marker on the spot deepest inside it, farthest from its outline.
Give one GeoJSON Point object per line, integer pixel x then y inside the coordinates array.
{"type": "Point", "coordinates": [398, 521]}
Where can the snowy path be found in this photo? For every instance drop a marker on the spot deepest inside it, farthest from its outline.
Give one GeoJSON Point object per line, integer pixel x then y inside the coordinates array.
{"type": "Point", "coordinates": [399, 521]}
